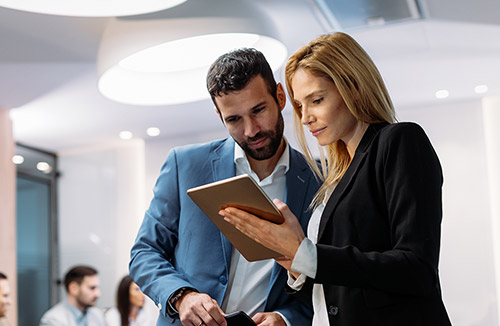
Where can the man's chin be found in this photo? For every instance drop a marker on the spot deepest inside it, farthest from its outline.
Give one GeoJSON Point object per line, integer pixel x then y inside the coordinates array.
{"type": "Point", "coordinates": [260, 155]}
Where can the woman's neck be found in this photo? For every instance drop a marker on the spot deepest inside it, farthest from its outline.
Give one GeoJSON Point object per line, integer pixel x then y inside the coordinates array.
{"type": "Point", "coordinates": [134, 311]}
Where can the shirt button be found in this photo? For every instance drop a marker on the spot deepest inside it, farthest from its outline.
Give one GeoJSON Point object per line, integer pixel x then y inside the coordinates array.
{"type": "Point", "coordinates": [223, 280]}
{"type": "Point", "coordinates": [333, 310]}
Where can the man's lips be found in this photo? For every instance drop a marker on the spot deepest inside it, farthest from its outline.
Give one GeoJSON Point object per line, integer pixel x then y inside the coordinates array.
{"type": "Point", "coordinates": [257, 143]}
{"type": "Point", "coordinates": [316, 132]}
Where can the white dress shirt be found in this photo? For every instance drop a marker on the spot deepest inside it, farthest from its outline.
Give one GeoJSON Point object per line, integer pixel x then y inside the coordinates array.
{"type": "Point", "coordinates": [249, 281]}
{"type": "Point", "coordinates": [64, 313]}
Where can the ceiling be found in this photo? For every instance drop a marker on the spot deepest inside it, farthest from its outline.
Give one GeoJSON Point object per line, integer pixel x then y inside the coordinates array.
{"type": "Point", "coordinates": [48, 73]}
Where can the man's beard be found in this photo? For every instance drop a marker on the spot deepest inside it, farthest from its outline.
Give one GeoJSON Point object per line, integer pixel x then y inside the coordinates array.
{"type": "Point", "coordinates": [86, 304]}
{"type": "Point", "coordinates": [267, 151]}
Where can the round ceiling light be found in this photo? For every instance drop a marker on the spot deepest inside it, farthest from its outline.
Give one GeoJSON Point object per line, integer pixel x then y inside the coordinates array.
{"type": "Point", "coordinates": [163, 58]}
{"type": "Point", "coordinates": [90, 8]}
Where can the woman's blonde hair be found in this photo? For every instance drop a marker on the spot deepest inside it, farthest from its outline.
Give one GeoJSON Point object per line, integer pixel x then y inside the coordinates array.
{"type": "Point", "coordinates": [339, 58]}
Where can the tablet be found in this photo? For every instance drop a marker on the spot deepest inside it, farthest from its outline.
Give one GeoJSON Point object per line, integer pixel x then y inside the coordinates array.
{"type": "Point", "coordinates": [244, 193]}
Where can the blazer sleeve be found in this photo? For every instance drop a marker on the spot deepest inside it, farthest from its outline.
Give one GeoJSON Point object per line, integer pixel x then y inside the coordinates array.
{"type": "Point", "coordinates": [153, 251]}
{"type": "Point", "coordinates": [410, 179]}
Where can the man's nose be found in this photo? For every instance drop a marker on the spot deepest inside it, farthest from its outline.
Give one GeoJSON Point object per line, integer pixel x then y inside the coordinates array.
{"type": "Point", "coordinates": [251, 128]}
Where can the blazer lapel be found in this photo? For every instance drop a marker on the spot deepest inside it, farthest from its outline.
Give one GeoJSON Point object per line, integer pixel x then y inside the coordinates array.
{"type": "Point", "coordinates": [297, 183]}
{"type": "Point", "coordinates": [222, 168]}
{"type": "Point", "coordinates": [349, 175]}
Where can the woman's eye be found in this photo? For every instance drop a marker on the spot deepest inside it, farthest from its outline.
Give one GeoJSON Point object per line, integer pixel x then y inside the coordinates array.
{"type": "Point", "coordinates": [318, 101]}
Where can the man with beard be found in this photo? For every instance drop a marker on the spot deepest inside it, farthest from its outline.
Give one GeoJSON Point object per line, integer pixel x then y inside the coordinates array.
{"type": "Point", "coordinates": [180, 259]}
{"type": "Point", "coordinates": [82, 288]}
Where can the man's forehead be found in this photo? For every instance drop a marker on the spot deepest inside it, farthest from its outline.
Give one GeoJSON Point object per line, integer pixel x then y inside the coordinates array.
{"type": "Point", "coordinates": [90, 280]}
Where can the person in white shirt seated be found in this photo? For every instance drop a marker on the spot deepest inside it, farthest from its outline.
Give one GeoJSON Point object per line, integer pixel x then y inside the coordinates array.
{"type": "Point", "coordinates": [130, 307]}
{"type": "Point", "coordinates": [82, 287]}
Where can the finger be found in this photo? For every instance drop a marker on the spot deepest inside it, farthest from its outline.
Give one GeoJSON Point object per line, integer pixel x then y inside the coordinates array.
{"type": "Point", "coordinates": [259, 318]}
{"type": "Point", "coordinates": [240, 218]}
{"type": "Point", "coordinates": [283, 208]}
{"type": "Point", "coordinates": [215, 315]}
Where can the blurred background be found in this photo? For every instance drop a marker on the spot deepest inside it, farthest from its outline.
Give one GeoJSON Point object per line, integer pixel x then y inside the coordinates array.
{"type": "Point", "coordinates": [89, 112]}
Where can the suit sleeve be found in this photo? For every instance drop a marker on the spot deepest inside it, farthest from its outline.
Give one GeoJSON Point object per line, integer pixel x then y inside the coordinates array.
{"type": "Point", "coordinates": [153, 251]}
{"type": "Point", "coordinates": [410, 178]}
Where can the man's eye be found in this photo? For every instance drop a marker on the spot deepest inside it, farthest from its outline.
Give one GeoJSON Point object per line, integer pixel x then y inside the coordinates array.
{"type": "Point", "coordinates": [257, 110]}
{"type": "Point", "coordinates": [232, 119]}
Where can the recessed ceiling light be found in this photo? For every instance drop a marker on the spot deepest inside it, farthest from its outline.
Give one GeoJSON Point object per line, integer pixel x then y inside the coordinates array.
{"type": "Point", "coordinates": [479, 89]}
{"type": "Point", "coordinates": [126, 135]}
{"type": "Point", "coordinates": [17, 159]}
{"type": "Point", "coordinates": [153, 131]}
{"type": "Point", "coordinates": [163, 58]}
{"type": "Point", "coordinates": [442, 93]}
{"type": "Point", "coordinates": [90, 8]}
{"type": "Point", "coordinates": [44, 167]}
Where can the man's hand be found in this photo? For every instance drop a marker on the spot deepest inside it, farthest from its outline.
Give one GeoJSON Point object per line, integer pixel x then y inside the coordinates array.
{"type": "Point", "coordinates": [197, 309]}
{"type": "Point", "coordinates": [268, 319]}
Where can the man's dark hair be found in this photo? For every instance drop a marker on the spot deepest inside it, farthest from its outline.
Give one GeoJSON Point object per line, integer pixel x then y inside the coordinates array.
{"type": "Point", "coordinates": [77, 273]}
{"type": "Point", "coordinates": [3, 276]}
{"type": "Point", "coordinates": [234, 70]}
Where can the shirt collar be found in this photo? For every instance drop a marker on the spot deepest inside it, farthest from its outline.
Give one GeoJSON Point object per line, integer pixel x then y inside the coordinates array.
{"type": "Point", "coordinates": [75, 311]}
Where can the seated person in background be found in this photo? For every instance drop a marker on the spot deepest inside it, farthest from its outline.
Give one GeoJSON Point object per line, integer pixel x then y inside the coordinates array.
{"type": "Point", "coordinates": [129, 310]}
{"type": "Point", "coordinates": [5, 300]}
{"type": "Point", "coordinates": [82, 288]}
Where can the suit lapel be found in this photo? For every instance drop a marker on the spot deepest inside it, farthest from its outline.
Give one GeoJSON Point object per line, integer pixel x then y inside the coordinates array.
{"type": "Point", "coordinates": [297, 183]}
{"type": "Point", "coordinates": [349, 175]}
{"type": "Point", "coordinates": [222, 168]}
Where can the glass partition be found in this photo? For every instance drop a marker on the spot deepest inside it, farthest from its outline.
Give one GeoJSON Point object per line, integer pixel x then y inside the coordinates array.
{"type": "Point", "coordinates": [36, 233]}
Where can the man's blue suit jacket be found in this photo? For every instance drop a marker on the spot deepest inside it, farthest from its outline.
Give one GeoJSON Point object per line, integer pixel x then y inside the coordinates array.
{"type": "Point", "coordinates": [178, 246]}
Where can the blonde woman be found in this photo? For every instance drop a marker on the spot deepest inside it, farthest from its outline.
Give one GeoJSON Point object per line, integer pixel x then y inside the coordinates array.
{"type": "Point", "coordinates": [371, 252]}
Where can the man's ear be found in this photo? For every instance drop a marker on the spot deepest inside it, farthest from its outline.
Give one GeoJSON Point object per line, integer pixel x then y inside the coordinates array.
{"type": "Point", "coordinates": [73, 288]}
{"type": "Point", "coordinates": [281, 96]}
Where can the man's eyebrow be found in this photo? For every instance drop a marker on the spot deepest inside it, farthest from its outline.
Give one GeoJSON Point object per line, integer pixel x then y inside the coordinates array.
{"type": "Point", "coordinates": [258, 105]}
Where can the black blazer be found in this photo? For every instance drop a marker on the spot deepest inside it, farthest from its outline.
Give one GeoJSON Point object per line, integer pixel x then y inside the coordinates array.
{"type": "Point", "coordinates": [379, 235]}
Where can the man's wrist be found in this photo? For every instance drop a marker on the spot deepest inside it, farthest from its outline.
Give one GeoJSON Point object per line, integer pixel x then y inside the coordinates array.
{"type": "Point", "coordinates": [175, 298]}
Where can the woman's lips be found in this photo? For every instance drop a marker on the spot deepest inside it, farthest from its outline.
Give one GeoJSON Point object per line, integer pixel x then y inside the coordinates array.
{"type": "Point", "coordinates": [316, 132]}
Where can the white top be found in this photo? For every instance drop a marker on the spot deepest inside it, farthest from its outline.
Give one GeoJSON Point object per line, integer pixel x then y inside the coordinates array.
{"type": "Point", "coordinates": [306, 263]}
{"type": "Point", "coordinates": [249, 281]}
{"type": "Point", "coordinates": [144, 318]}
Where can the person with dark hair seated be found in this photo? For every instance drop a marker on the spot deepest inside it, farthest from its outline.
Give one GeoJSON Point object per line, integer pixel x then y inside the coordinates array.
{"type": "Point", "coordinates": [82, 288]}
{"type": "Point", "coordinates": [130, 309]}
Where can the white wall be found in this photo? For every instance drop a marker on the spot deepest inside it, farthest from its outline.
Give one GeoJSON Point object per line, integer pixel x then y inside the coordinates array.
{"type": "Point", "coordinates": [101, 205]}
{"type": "Point", "coordinates": [466, 265]}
